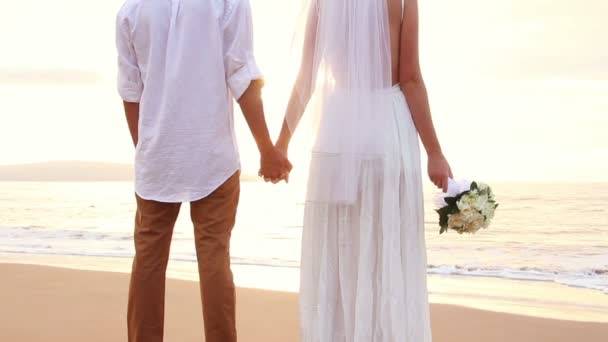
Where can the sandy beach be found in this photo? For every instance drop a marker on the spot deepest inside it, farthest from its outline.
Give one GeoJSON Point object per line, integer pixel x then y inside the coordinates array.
{"type": "Point", "coordinates": [41, 303]}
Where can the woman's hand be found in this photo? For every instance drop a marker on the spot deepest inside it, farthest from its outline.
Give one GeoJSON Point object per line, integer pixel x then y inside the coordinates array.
{"type": "Point", "coordinates": [283, 148]}
{"type": "Point", "coordinates": [439, 171]}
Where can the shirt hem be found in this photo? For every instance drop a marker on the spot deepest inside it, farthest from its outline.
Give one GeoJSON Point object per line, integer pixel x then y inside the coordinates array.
{"type": "Point", "coordinates": [188, 196]}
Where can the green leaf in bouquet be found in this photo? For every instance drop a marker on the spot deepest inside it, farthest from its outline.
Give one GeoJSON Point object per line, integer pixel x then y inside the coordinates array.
{"type": "Point", "coordinates": [453, 210]}
{"type": "Point", "coordinates": [474, 186]}
{"type": "Point", "coordinates": [443, 217]}
{"type": "Point", "coordinates": [450, 200]}
{"type": "Point", "coordinates": [443, 222]}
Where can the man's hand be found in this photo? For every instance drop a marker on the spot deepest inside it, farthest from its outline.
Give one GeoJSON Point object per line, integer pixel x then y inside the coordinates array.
{"type": "Point", "coordinates": [132, 113]}
{"type": "Point", "coordinates": [274, 165]}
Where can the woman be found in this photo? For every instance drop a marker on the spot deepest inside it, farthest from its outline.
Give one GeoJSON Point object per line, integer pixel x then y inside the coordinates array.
{"type": "Point", "coordinates": [363, 251]}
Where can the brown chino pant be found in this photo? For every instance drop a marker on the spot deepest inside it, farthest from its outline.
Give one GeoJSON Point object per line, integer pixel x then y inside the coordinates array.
{"type": "Point", "coordinates": [213, 218]}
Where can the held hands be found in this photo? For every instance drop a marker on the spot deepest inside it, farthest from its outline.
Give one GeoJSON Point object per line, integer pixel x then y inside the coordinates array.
{"type": "Point", "coordinates": [439, 171]}
{"type": "Point", "coordinates": [274, 165]}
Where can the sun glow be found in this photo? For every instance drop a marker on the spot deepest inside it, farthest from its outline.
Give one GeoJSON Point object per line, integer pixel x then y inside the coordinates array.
{"type": "Point", "coordinates": [508, 80]}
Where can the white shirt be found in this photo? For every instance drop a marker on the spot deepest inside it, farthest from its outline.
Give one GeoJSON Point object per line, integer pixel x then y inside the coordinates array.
{"type": "Point", "coordinates": [183, 61]}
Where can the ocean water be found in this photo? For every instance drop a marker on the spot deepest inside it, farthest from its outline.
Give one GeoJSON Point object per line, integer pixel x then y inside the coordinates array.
{"type": "Point", "coordinates": [555, 233]}
{"type": "Point", "coordinates": [546, 252]}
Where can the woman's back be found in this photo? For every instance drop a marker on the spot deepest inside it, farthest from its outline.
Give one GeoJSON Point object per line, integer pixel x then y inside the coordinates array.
{"type": "Point", "coordinates": [395, 15]}
{"type": "Point", "coordinates": [363, 258]}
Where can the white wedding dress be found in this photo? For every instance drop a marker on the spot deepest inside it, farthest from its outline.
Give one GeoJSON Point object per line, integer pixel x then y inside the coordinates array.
{"type": "Point", "coordinates": [363, 270]}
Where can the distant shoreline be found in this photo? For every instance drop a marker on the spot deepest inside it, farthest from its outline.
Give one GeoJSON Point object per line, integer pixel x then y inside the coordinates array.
{"type": "Point", "coordinates": [92, 171]}
{"type": "Point", "coordinates": [76, 171]}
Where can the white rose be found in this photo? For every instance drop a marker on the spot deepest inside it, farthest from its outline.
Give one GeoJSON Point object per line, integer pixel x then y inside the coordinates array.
{"type": "Point", "coordinates": [467, 202]}
{"type": "Point", "coordinates": [481, 202]}
{"type": "Point", "coordinates": [456, 221]}
{"type": "Point", "coordinates": [474, 222]}
{"type": "Point", "coordinates": [463, 205]}
{"type": "Point", "coordinates": [468, 215]}
{"type": "Point", "coordinates": [488, 210]}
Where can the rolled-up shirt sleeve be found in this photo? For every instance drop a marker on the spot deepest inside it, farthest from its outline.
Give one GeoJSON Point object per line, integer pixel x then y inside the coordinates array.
{"type": "Point", "coordinates": [130, 84]}
{"type": "Point", "coordinates": [239, 61]}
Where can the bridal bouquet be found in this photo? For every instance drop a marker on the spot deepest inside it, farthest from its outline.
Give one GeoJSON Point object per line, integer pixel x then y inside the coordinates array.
{"type": "Point", "coordinates": [466, 207]}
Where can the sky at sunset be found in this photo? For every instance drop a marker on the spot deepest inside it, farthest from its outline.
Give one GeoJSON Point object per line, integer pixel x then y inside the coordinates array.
{"type": "Point", "coordinates": [519, 88]}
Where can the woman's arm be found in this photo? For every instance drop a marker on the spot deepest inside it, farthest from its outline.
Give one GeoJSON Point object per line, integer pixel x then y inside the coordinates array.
{"type": "Point", "coordinates": [245, 82]}
{"type": "Point", "coordinates": [303, 87]}
{"type": "Point", "coordinates": [414, 89]}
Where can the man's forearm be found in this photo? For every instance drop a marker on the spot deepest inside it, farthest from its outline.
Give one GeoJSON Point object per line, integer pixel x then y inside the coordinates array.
{"type": "Point", "coordinates": [253, 109]}
{"type": "Point", "coordinates": [132, 113]}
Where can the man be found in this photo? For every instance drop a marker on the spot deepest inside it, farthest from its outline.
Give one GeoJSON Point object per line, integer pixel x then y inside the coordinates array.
{"type": "Point", "coordinates": [180, 61]}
